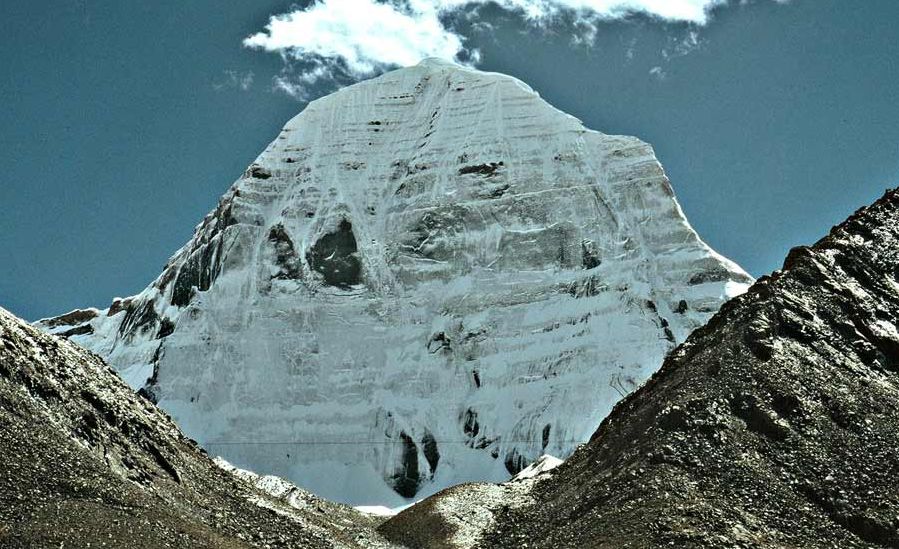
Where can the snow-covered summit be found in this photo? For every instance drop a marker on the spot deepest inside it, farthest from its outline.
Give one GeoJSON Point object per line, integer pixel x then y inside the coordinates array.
{"type": "Point", "coordinates": [438, 63]}
{"type": "Point", "coordinates": [427, 278]}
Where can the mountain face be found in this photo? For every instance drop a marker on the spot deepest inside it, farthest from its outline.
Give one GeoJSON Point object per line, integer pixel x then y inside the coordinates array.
{"type": "Point", "coordinates": [775, 425]}
{"type": "Point", "coordinates": [85, 462]}
{"type": "Point", "coordinates": [428, 278]}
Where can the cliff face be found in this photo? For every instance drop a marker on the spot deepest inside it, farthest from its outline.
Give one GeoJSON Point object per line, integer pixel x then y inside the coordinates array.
{"type": "Point", "coordinates": [775, 425]}
{"type": "Point", "coordinates": [427, 278]}
{"type": "Point", "coordinates": [85, 461]}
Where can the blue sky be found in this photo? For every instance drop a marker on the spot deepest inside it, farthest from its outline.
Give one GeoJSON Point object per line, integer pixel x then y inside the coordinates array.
{"type": "Point", "coordinates": [123, 122]}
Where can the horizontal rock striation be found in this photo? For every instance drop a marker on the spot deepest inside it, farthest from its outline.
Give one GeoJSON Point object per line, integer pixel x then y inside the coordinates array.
{"type": "Point", "coordinates": [775, 425]}
{"type": "Point", "coordinates": [427, 278]}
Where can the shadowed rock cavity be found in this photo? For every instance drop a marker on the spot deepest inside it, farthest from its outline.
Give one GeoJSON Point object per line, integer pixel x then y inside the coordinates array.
{"type": "Point", "coordinates": [335, 257]}
{"type": "Point", "coordinates": [140, 317]}
{"type": "Point", "coordinates": [515, 462]}
{"type": "Point", "coordinates": [84, 329]}
{"type": "Point", "coordinates": [204, 263]}
{"type": "Point", "coordinates": [429, 447]}
{"type": "Point", "coordinates": [198, 273]}
{"type": "Point", "coordinates": [405, 479]}
{"type": "Point", "coordinates": [470, 424]}
{"type": "Point", "coordinates": [590, 254]}
{"type": "Point", "coordinates": [290, 267]}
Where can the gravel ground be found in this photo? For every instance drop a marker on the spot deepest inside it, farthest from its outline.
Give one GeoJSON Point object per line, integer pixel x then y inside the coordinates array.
{"type": "Point", "coordinates": [85, 462]}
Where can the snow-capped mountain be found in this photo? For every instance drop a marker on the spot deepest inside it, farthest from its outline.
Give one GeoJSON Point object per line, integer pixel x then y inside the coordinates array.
{"type": "Point", "coordinates": [427, 278]}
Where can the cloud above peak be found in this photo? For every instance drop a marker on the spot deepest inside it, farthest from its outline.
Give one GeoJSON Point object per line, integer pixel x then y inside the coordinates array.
{"type": "Point", "coordinates": [361, 37]}
{"type": "Point", "coordinates": [363, 34]}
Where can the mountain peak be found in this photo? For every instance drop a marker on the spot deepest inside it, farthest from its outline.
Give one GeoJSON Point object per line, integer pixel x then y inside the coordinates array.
{"type": "Point", "coordinates": [438, 64]}
{"type": "Point", "coordinates": [427, 278]}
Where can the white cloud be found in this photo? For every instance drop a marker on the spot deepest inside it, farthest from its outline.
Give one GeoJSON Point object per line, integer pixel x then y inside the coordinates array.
{"type": "Point", "coordinates": [658, 72]}
{"type": "Point", "coordinates": [364, 36]}
{"type": "Point", "coordinates": [234, 79]}
{"type": "Point", "coordinates": [694, 11]}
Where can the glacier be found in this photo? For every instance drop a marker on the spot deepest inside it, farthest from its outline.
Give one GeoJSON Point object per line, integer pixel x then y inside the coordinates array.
{"type": "Point", "coordinates": [427, 278]}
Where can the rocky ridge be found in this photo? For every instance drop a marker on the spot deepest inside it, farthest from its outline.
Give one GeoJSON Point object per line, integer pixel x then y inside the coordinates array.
{"type": "Point", "coordinates": [775, 425]}
{"type": "Point", "coordinates": [86, 462]}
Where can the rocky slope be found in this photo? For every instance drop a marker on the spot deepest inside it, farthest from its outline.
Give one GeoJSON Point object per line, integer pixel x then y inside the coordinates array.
{"type": "Point", "coordinates": [428, 278]}
{"type": "Point", "coordinates": [775, 425]}
{"type": "Point", "coordinates": [85, 462]}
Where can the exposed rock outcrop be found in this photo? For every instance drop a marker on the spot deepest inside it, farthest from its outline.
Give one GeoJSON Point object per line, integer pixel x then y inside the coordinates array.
{"type": "Point", "coordinates": [775, 425]}
{"type": "Point", "coordinates": [86, 462]}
